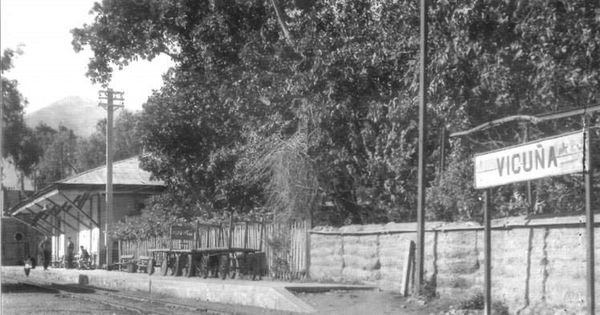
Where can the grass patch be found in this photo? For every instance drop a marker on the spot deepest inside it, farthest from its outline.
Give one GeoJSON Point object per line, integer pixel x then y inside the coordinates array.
{"type": "Point", "coordinates": [477, 302]}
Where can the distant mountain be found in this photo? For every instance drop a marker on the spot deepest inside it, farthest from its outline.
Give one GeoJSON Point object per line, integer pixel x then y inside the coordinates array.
{"type": "Point", "coordinates": [73, 112]}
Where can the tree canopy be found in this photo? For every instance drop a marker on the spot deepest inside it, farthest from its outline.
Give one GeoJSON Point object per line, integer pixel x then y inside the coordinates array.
{"type": "Point", "coordinates": [18, 141]}
{"type": "Point", "coordinates": [338, 79]}
{"type": "Point", "coordinates": [91, 151]}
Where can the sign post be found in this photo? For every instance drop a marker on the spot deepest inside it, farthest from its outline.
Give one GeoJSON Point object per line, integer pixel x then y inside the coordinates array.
{"type": "Point", "coordinates": [487, 243]}
{"type": "Point", "coordinates": [560, 155]}
{"type": "Point", "coordinates": [547, 157]}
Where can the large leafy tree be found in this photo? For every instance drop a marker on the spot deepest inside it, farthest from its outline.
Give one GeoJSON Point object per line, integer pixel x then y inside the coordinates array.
{"type": "Point", "coordinates": [338, 80]}
{"type": "Point", "coordinates": [59, 158]}
{"type": "Point", "coordinates": [18, 141]}
{"type": "Point", "coordinates": [193, 127]}
{"type": "Point", "coordinates": [252, 67]}
{"type": "Point", "coordinates": [496, 59]}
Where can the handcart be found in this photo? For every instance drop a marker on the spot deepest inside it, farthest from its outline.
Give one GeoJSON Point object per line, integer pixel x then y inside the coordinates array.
{"type": "Point", "coordinates": [204, 262]}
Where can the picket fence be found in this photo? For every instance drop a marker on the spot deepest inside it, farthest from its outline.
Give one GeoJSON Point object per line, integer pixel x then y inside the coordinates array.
{"type": "Point", "coordinates": [285, 244]}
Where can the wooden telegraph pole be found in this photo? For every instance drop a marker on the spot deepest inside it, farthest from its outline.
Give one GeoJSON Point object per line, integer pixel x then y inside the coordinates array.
{"type": "Point", "coordinates": [589, 222]}
{"type": "Point", "coordinates": [1, 155]}
{"type": "Point", "coordinates": [422, 134]}
{"type": "Point", "coordinates": [110, 97]}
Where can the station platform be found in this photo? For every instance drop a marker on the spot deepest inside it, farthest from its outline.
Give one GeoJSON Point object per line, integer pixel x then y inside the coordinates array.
{"type": "Point", "coordinates": [274, 295]}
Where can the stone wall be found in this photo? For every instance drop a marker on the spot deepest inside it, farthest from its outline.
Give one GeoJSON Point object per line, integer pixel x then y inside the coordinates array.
{"type": "Point", "coordinates": [536, 264]}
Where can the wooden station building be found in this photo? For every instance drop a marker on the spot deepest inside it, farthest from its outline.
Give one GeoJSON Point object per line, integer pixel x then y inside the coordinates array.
{"type": "Point", "coordinates": [75, 207]}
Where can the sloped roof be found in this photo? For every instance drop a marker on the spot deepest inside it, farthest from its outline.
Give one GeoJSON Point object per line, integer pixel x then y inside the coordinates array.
{"type": "Point", "coordinates": [125, 172]}
{"type": "Point", "coordinates": [73, 192]}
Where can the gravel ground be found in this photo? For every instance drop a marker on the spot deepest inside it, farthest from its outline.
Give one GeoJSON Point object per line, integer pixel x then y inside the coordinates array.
{"type": "Point", "coordinates": [19, 298]}
{"type": "Point", "coordinates": [372, 302]}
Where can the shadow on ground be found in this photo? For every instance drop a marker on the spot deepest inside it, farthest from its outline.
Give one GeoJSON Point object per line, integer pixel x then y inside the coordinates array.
{"type": "Point", "coordinates": [25, 288]}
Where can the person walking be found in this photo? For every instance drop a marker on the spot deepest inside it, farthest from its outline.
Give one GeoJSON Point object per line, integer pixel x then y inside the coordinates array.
{"type": "Point", "coordinates": [46, 248]}
{"type": "Point", "coordinates": [70, 253]}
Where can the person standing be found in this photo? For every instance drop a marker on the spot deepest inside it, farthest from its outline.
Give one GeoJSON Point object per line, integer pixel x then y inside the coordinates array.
{"type": "Point", "coordinates": [29, 264]}
{"type": "Point", "coordinates": [70, 253]}
{"type": "Point", "coordinates": [46, 248]}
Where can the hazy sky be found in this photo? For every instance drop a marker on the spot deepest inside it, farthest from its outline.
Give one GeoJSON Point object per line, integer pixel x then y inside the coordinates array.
{"type": "Point", "coordinates": [49, 68]}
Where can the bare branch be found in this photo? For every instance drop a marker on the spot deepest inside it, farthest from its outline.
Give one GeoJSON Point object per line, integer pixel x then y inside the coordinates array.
{"type": "Point", "coordinates": [280, 16]}
{"type": "Point", "coordinates": [496, 122]}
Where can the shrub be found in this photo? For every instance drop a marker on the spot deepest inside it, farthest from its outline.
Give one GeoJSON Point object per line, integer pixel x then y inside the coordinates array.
{"type": "Point", "coordinates": [474, 302]}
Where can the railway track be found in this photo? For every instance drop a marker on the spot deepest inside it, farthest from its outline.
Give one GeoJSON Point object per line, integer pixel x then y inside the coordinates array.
{"type": "Point", "coordinates": [134, 303]}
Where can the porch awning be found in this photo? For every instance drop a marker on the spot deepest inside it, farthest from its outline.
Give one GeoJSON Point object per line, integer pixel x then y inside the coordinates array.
{"type": "Point", "coordinates": [47, 210]}
{"type": "Point", "coordinates": [42, 211]}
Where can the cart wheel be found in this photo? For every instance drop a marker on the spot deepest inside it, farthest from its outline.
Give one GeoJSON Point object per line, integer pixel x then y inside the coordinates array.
{"type": "Point", "coordinates": [223, 266]}
{"type": "Point", "coordinates": [242, 263]}
{"type": "Point", "coordinates": [203, 266]}
{"type": "Point", "coordinates": [197, 266]}
{"type": "Point", "coordinates": [150, 267]}
{"type": "Point", "coordinates": [260, 261]}
{"type": "Point", "coordinates": [176, 266]}
{"type": "Point", "coordinates": [186, 265]}
{"type": "Point", "coordinates": [251, 266]}
{"type": "Point", "coordinates": [232, 267]}
{"type": "Point", "coordinates": [164, 266]}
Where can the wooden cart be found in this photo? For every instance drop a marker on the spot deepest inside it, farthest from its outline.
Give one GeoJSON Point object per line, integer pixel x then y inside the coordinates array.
{"type": "Point", "coordinates": [215, 262]}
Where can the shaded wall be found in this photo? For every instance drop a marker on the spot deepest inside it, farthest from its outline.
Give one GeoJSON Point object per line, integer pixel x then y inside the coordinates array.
{"type": "Point", "coordinates": [535, 263]}
{"type": "Point", "coordinates": [19, 241]}
{"type": "Point", "coordinates": [90, 236]}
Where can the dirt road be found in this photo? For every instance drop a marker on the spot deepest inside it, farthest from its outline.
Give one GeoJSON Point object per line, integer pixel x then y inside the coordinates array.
{"type": "Point", "coordinates": [21, 296]}
{"type": "Point", "coordinates": [25, 297]}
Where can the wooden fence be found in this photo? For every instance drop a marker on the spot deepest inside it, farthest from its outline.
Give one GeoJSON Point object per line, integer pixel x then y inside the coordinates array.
{"type": "Point", "coordinates": [285, 244]}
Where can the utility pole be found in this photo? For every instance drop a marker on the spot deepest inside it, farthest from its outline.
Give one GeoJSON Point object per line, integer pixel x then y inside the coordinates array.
{"type": "Point", "coordinates": [589, 214]}
{"type": "Point", "coordinates": [422, 134]}
{"type": "Point", "coordinates": [1, 155]}
{"type": "Point", "coordinates": [110, 97]}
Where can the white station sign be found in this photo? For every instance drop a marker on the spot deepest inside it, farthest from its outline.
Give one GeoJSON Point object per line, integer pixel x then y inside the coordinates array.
{"type": "Point", "coordinates": [559, 155]}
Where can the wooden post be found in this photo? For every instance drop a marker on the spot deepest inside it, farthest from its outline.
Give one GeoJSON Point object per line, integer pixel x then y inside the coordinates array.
{"type": "Point", "coordinates": [442, 148]}
{"type": "Point", "coordinates": [246, 236]}
{"type": "Point", "coordinates": [529, 194]}
{"type": "Point", "coordinates": [408, 266]}
{"type": "Point", "coordinates": [230, 238]}
{"type": "Point", "coordinates": [109, 169]}
{"type": "Point", "coordinates": [196, 236]}
{"type": "Point", "coordinates": [487, 253]}
{"type": "Point", "coordinates": [221, 236]}
{"type": "Point", "coordinates": [170, 238]}
{"type": "Point", "coordinates": [421, 149]}
{"type": "Point", "coordinates": [262, 232]}
{"type": "Point", "coordinates": [91, 226]}
{"type": "Point", "coordinates": [589, 222]}
{"type": "Point", "coordinates": [110, 96]}
{"type": "Point", "coordinates": [100, 228]}
{"type": "Point", "coordinates": [207, 241]}
{"type": "Point", "coordinates": [308, 227]}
